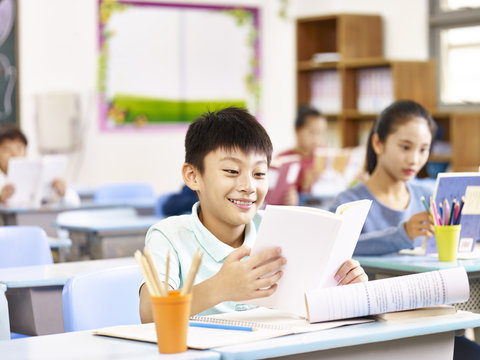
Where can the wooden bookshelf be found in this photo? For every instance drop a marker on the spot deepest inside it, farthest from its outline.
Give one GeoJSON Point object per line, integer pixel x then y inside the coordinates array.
{"type": "Point", "coordinates": [358, 42]}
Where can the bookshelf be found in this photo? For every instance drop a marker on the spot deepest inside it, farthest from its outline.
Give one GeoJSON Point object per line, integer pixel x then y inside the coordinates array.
{"type": "Point", "coordinates": [341, 71]}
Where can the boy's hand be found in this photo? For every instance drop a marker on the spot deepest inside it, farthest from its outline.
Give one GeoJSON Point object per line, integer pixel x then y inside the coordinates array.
{"type": "Point", "coordinates": [244, 279]}
{"type": "Point", "coordinates": [6, 193]}
{"type": "Point", "coordinates": [420, 224]}
{"type": "Point", "coordinates": [350, 272]}
{"type": "Point", "coordinates": [59, 187]}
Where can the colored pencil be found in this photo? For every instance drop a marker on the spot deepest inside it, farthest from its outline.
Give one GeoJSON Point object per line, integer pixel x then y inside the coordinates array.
{"type": "Point", "coordinates": [452, 213]}
{"type": "Point", "coordinates": [220, 326]}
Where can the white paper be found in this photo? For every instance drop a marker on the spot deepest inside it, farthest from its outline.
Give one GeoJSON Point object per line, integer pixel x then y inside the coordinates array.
{"type": "Point", "coordinates": [53, 167]}
{"type": "Point", "coordinates": [24, 175]}
{"type": "Point", "coordinates": [315, 243]}
{"type": "Point", "coordinates": [472, 200]}
{"type": "Point", "coordinates": [388, 295]}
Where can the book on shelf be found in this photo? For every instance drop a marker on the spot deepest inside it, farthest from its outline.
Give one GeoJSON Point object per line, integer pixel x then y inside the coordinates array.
{"type": "Point", "coordinates": [315, 243]}
{"type": "Point", "coordinates": [265, 323]}
{"type": "Point", "coordinates": [282, 174]}
{"type": "Point", "coordinates": [375, 89]}
{"type": "Point", "coordinates": [326, 91]}
{"type": "Point", "coordinates": [32, 178]}
{"type": "Point", "coordinates": [393, 294]}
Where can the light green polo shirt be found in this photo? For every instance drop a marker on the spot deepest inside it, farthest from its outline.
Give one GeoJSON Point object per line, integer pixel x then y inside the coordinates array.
{"type": "Point", "coordinates": [182, 235]}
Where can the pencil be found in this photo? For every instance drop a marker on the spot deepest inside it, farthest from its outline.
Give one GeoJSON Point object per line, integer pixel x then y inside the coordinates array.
{"type": "Point", "coordinates": [452, 213]}
{"type": "Point", "coordinates": [187, 286]}
{"type": "Point", "coordinates": [446, 209]}
{"type": "Point", "coordinates": [167, 271]}
{"type": "Point", "coordinates": [223, 327]}
{"type": "Point", "coordinates": [161, 289]}
{"type": "Point", "coordinates": [460, 210]}
{"type": "Point", "coordinates": [435, 213]}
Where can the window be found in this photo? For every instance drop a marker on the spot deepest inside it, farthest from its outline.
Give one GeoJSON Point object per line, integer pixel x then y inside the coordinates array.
{"type": "Point", "coordinates": [455, 43]}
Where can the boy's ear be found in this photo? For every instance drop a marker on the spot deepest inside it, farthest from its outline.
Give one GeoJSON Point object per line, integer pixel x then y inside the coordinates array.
{"type": "Point", "coordinates": [191, 176]}
{"type": "Point", "coordinates": [377, 144]}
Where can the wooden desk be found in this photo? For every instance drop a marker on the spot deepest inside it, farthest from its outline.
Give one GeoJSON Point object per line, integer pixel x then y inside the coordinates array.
{"type": "Point", "coordinates": [34, 293]}
{"type": "Point", "coordinates": [430, 338]}
{"type": "Point", "coordinates": [84, 345]}
{"type": "Point", "coordinates": [107, 236]}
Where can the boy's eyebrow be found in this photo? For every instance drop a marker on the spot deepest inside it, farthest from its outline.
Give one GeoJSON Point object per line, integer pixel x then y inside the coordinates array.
{"type": "Point", "coordinates": [237, 160]}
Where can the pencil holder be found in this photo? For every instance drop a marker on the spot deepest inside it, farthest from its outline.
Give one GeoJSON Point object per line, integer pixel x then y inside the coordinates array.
{"type": "Point", "coordinates": [171, 314]}
{"type": "Point", "coordinates": [447, 241]}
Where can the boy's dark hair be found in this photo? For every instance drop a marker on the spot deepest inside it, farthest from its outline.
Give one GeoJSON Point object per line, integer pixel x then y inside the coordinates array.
{"type": "Point", "coordinates": [303, 113]}
{"type": "Point", "coordinates": [12, 132]}
{"type": "Point", "coordinates": [229, 128]}
{"type": "Point", "coordinates": [390, 119]}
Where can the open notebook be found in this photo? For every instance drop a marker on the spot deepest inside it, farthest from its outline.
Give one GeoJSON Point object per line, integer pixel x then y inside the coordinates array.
{"type": "Point", "coordinates": [267, 323]}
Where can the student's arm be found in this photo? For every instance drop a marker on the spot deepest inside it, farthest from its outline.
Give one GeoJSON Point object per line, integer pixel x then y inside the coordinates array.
{"type": "Point", "coordinates": [6, 193]}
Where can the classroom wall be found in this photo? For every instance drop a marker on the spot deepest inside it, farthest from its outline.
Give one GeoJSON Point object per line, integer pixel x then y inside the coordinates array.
{"type": "Point", "coordinates": [58, 52]}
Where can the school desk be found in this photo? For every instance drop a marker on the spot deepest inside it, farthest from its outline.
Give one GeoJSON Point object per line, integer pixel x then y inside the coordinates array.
{"type": "Point", "coordinates": [107, 236]}
{"type": "Point", "coordinates": [84, 345]}
{"type": "Point", "coordinates": [426, 338]}
{"type": "Point", "coordinates": [34, 293]}
{"type": "Point", "coordinates": [4, 322]}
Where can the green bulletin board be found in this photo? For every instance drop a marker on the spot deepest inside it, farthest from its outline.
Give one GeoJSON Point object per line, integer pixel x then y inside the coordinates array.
{"type": "Point", "coordinates": [8, 62]}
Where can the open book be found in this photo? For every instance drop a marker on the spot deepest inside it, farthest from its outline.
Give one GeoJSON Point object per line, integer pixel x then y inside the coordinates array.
{"type": "Point", "coordinates": [315, 243]}
{"type": "Point", "coordinates": [282, 174]}
{"type": "Point", "coordinates": [388, 295]}
{"type": "Point", "coordinates": [33, 178]}
{"type": "Point", "coordinates": [267, 323]}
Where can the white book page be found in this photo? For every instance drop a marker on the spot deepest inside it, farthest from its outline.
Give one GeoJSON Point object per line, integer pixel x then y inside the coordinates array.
{"type": "Point", "coordinates": [388, 295]}
{"type": "Point", "coordinates": [24, 175]}
{"type": "Point", "coordinates": [306, 238]}
{"type": "Point", "coordinates": [53, 167]}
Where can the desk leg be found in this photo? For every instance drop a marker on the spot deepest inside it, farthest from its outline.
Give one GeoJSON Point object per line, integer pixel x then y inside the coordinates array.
{"type": "Point", "coordinates": [36, 311]}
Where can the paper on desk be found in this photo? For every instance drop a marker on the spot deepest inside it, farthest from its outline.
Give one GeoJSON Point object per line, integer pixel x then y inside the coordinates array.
{"type": "Point", "coordinates": [386, 295]}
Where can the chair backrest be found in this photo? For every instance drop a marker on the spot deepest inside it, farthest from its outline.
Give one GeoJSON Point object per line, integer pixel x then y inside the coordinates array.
{"type": "Point", "coordinates": [24, 246]}
{"type": "Point", "coordinates": [102, 298]}
{"type": "Point", "coordinates": [123, 192]}
{"type": "Point", "coordinates": [161, 199]}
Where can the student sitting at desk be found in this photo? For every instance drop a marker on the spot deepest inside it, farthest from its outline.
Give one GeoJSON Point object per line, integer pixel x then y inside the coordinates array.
{"type": "Point", "coordinates": [397, 149]}
{"type": "Point", "coordinates": [310, 131]}
{"type": "Point", "coordinates": [13, 143]}
{"type": "Point", "coordinates": [227, 167]}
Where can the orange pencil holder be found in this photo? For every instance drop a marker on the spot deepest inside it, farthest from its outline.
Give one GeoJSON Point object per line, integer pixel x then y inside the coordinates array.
{"type": "Point", "coordinates": [171, 314]}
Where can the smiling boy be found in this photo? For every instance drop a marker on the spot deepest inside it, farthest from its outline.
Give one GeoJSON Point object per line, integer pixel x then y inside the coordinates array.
{"type": "Point", "coordinates": [227, 154]}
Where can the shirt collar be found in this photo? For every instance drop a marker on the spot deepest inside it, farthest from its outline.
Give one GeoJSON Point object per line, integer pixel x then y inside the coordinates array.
{"type": "Point", "coordinates": [213, 246]}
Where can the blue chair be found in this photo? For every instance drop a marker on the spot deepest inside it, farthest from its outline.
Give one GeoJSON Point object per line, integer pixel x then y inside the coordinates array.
{"type": "Point", "coordinates": [24, 246]}
{"type": "Point", "coordinates": [102, 298]}
{"type": "Point", "coordinates": [123, 193]}
{"type": "Point", "coordinates": [158, 210]}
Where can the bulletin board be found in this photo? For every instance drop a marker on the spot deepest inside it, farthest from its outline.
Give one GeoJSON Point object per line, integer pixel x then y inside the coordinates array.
{"type": "Point", "coordinates": [8, 61]}
{"type": "Point", "coordinates": [163, 64]}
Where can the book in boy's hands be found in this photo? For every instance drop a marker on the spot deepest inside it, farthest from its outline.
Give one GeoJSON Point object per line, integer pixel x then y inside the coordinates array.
{"type": "Point", "coordinates": [388, 295]}
{"type": "Point", "coordinates": [282, 174]}
{"type": "Point", "coordinates": [315, 244]}
{"type": "Point", "coordinates": [33, 179]}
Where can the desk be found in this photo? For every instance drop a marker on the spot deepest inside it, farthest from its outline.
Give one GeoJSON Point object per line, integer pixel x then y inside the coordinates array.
{"type": "Point", "coordinates": [34, 293]}
{"type": "Point", "coordinates": [108, 236]}
{"type": "Point", "coordinates": [4, 322]}
{"type": "Point", "coordinates": [430, 338]}
{"type": "Point", "coordinates": [84, 345]}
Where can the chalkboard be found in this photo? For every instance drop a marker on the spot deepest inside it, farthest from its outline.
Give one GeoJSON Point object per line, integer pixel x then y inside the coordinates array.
{"type": "Point", "coordinates": [8, 62]}
{"type": "Point", "coordinates": [165, 64]}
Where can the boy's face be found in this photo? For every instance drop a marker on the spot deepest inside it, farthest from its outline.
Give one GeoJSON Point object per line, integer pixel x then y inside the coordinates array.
{"type": "Point", "coordinates": [232, 187]}
{"type": "Point", "coordinates": [8, 149]}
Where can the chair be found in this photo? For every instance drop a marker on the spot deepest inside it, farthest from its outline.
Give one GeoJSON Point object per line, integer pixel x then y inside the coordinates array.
{"type": "Point", "coordinates": [21, 246]}
{"type": "Point", "coordinates": [102, 298]}
{"type": "Point", "coordinates": [161, 199]}
{"type": "Point", "coordinates": [24, 246]}
{"type": "Point", "coordinates": [123, 192]}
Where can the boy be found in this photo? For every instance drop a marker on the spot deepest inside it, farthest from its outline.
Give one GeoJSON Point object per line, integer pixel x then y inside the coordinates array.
{"type": "Point", "coordinates": [227, 154]}
{"type": "Point", "coordinates": [13, 143]}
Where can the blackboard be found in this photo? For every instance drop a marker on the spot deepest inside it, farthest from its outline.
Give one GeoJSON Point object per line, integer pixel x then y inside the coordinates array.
{"type": "Point", "coordinates": [8, 61]}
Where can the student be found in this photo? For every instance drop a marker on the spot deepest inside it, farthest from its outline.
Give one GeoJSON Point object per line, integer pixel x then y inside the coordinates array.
{"type": "Point", "coordinates": [397, 149]}
{"type": "Point", "coordinates": [310, 131]}
{"type": "Point", "coordinates": [227, 154]}
{"type": "Point", "coordinates": [13, 143]}
{"type": "Point", "coordinates": [180, 203]}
